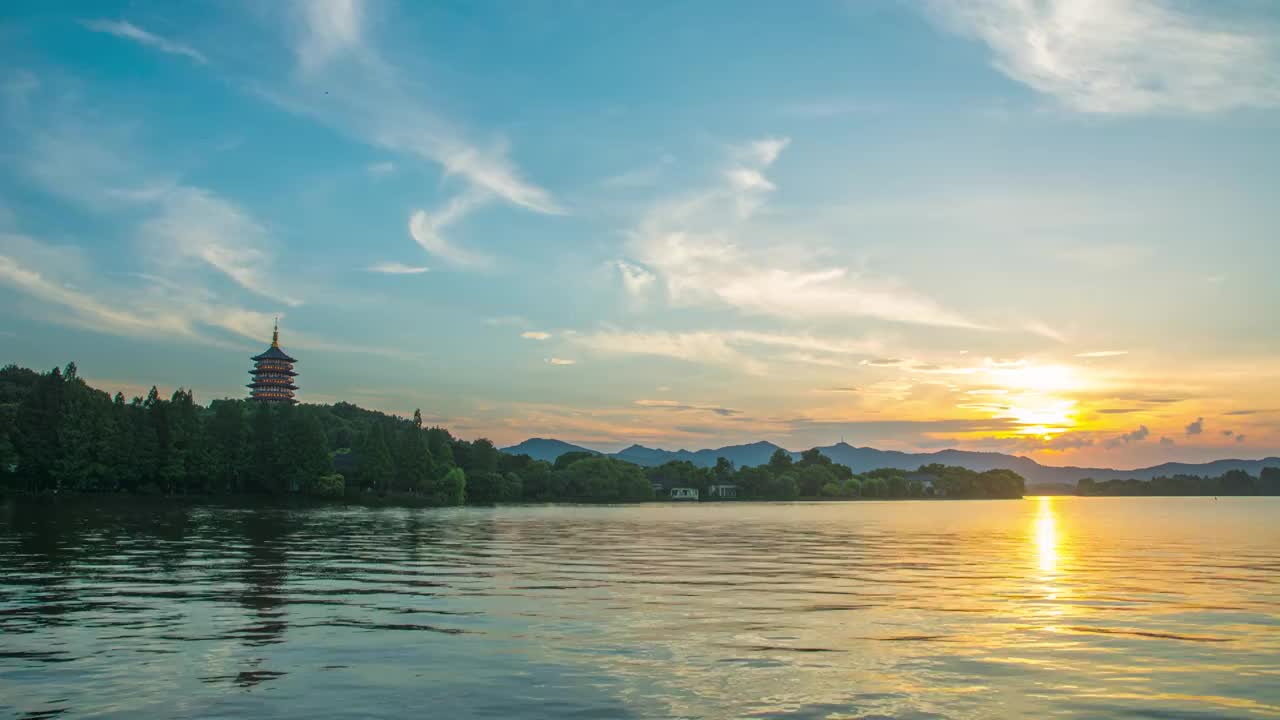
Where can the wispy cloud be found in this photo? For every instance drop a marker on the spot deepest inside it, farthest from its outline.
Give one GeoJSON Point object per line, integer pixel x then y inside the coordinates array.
{"type": "Point", "coordinates": [346, 81]}
{"type": "Point", "coordinates": [1102, 353]}
{"type": "Point", "coordinates": [679, 406]}
{"type": "Point", "coordinates": [1195, 428]}
{"type": "Point", "coordinates": [1043, 330]}
{"type": "Point", "coordinates": [380, 168]}
{"type": "Point", "coordinates": [426, 230]}
{"type": "Point", "coordinates": [559, 361]}
{"type": "Point", "coordinates": [396, 268]}
{"type": "Point", "coordinates": [129, 31]}
{"type": "Point", "coordinates": [195, 224]}
{"type": "Point", "coordinates": [635, 279]}
{"type": "Point", "coordinates": [535, 335]}
{"type": "Point", "coordinates": [745, 350]}
{"type": "Point", "coordinates": [1125, 56]}
{"type": "Point", "coordinates": [698, 247]}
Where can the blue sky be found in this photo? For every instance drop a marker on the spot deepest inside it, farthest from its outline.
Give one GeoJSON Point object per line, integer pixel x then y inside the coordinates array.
{"type": "Point", "coordinates": [1040, 227]}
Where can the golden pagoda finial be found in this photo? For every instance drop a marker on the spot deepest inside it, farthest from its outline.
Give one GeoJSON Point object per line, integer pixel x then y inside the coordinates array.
{"type": "Point", "coordinates": [275, 335]}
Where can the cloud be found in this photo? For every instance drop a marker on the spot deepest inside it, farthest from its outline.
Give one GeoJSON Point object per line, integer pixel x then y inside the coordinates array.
{"type": "Point", "coordinates": [1118, 411]}
{"type": "Point", "coordinates": [330, 28]}
{"type": "Point", "coordinates": [700, 347]}
{"type": "Point", "coordinates": [129, 31]}
{"type": "Point", "coordinates": [1240, 438]}
{"type": "Point", "coordinates": [380, 168]}
{"type": "Point", "coordinates": [346, 82]}
{"type": "Point", "coordinates": [1130, 437]}
{"type": "Point", "coordinates": [196, 225]}
{"type": "Point", "coordinates": [559, 361]}
{"type": "Point", "coordinates": [737, 349]}
{"type": "Point", "coordinates": [635, 279]}
{"type": "Point", "coordinates": [1166, 442]}
{"type": "Point", "coordinates": [674, 405]}
{"type": "Point", "coordinates": [535, 335]}
{"type": "Point", "coordinates": [705, 249]}
{"type": "Point", "coordinates": [426, 231]}
{"type": "Point", "coordinates": [1043, 330]}
{"type": "Point", "coordinates": [1196, 427]}
{"type": "Point", "coordinates": [395, 268]}
{"type": "Point", "coordinates": [1125, 56]}
{"type": "Point", "coordinates": [1102, 353]}
{"type": "Point", "coordinates": [839, 389]}
{"type": "Point", "coordinates": [640, 177]}
{"type": "Point", "coordinates": [86, 311]}
{"type": "Point", "coordinates": [1228, 433]}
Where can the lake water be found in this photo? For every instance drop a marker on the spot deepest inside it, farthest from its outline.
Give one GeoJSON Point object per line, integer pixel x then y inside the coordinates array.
{"type": "Point", "coordinates": [1070, 607]}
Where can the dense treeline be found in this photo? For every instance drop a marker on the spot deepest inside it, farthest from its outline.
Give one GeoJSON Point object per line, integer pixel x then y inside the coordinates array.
{"type": "Point", "coordinates": [1232, 482]}
{"type": "Point", "coordinates": [58, 435]}
{"type": "Point", "coordinates": [814, 475]}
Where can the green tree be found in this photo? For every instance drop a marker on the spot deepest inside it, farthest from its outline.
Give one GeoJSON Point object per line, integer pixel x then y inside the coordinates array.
{"type": "Point", "coordinates": [376, 469]}
{"type": "Point", "coordinates": [780, 462]}
{"type": "Point", "coordinates": [813, 478]}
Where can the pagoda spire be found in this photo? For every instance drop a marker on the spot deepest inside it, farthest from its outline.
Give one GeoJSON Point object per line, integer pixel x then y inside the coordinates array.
{"type": "Point", "coordinates": [275, 334]}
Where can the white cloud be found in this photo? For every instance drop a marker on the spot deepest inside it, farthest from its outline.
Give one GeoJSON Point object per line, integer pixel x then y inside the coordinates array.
{"type": "Point", "coordinates": [1125, 56]}
{"type": "Point", "coordinates": [330, 28]}
{"type": "Point", "coordinates": [346, 83]}
{"type": "Point", "coordinates": [395, 268]}
{"type": "Point", "coordinates": [380, 168]}
{"type": "Point", "coordinates": [743, 350]}
{"type": "Point", "coordinates": [700, 347]}
{"type": "Point", "coordinates": [1043, 330]}
{"type": "Point", "coordinates": [535, 335]}
{"type": "Point", "coordinates": [635, 279]}
{"type": "Point", "coordinates": [559, 361]}
{"type": "Point", "coordinates": [1102, 353]}
{"type": "Point", "coordinates": [129, 31]}
{"type": "Point", "coordinates": [701, 249]}
{"type": "Point", "coordinates": [426, 231]}
{"type": "Point", "coordinates": [195, 224]}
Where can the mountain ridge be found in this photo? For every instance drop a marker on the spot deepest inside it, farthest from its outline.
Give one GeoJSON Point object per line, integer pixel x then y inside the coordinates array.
{"type": "Point", "coordinates": [862, 459]}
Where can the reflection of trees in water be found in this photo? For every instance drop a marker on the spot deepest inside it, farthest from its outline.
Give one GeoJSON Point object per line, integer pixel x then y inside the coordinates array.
{"type": "Point", "coordinates": [264, 575]}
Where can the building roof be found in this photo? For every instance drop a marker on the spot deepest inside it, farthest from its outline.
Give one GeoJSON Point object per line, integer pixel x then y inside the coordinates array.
{"type": "Point", "coordinates": [274, 353]}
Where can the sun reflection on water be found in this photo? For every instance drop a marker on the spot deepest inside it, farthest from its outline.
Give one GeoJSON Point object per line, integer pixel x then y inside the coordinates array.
{"type": "Point", "coordinates": [1046, 534]}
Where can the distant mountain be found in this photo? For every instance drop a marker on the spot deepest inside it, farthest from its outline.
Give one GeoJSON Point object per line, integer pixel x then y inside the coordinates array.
{"type": "Point", "coordinates": [740, 455]}
{"type": "Point", "coordinates": [862, 459]}
{"type": "Point", "coordinates": [544, 449]}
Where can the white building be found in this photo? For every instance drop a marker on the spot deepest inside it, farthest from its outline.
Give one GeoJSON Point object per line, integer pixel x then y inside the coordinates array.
{"type": "Point", "coordinates": [684, 493]}
{"type": "Point", "coordinates": [723, 492]}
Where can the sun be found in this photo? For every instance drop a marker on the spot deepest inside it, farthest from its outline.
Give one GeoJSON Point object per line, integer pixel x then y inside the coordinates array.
{"type": "Point", "coordinates": [1037, 398]}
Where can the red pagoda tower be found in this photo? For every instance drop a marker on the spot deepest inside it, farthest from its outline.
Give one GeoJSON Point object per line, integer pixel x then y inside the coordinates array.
{"type": "Point", "coordinates": [273, 373]}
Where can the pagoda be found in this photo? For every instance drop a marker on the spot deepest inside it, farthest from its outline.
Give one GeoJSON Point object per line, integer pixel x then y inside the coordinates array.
{"type": "Point", "coordinates": [273, 373]}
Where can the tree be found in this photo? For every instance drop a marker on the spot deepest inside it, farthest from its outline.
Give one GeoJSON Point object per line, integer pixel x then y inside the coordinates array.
{"type": "Point", "coordinates": [414, 465]}
{"type": "Point", "coordinates": [569, 458]}
{"type": "Point", "coordinates": [376, 469]}
{"type": "Point", "coordinates": [723, 471]}
{"type": "Point", "coordinates": [780, 461]}
{"type": "Point", "coordinates": [227, 435]}
{"type": "Point", "coordinates": [1269, 481]}
{"type": "Point", "coordinates": [813, 477]}
{"type": "Point", "coordinates": [449, 489]}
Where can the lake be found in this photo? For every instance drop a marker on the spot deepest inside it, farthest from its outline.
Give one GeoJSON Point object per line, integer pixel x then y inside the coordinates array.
{"type": "Point", "coordinates": [1068, 607]}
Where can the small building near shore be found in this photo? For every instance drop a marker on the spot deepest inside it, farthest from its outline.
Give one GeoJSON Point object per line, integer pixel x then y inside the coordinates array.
{"type": "Point", "coordinates": [928, 483]}
{"type": "Point", "coordinates": [726, 491]}
{"type": "Point", "coordinates": [684, 493]}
